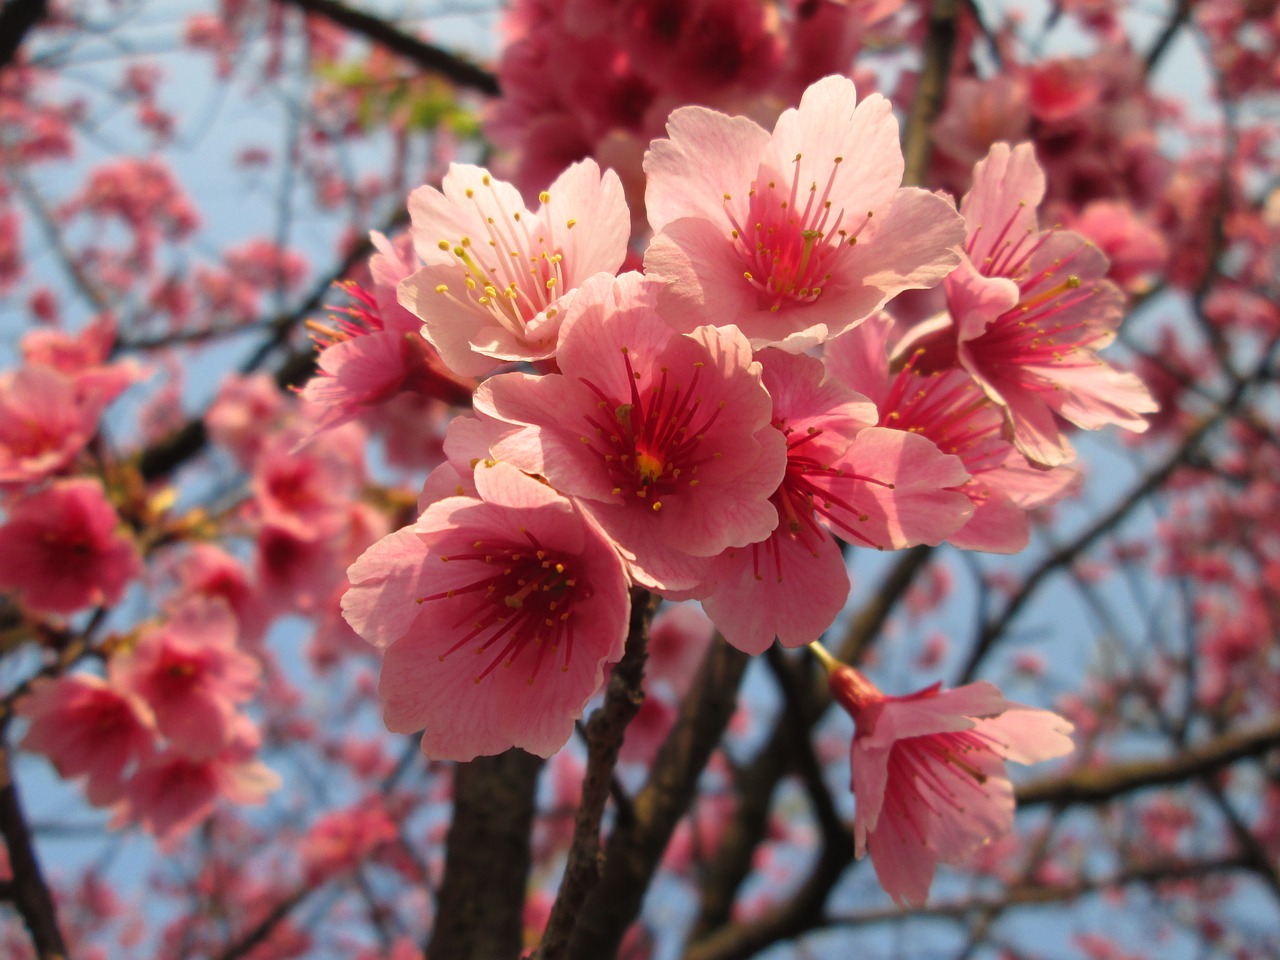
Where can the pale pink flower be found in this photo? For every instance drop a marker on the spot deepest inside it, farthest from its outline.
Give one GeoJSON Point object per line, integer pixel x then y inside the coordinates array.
{"type": "Point", "coordinates": [498, 277]}
{"type": "Point", "coordinates": [978, 113]}
{"type": "Point", "coordinates": [663, 437]}
{"type": "Point", "coordinates": [870, 486]}
{"type": "Point", "coordinates": [928, 773]}
{"type": "Point", "coordinates": [498, 615]}
{"type": "Point", "coordinates": [88, 728]}
{"type": "Point", "coordinates": [1029, 310]}
{"type": "Point", "coordinates": [61, 549]}
{"type": "Point", "coordinates": [794, 236]}
{"type": "Point", "coordinates": [192, 675]}
{"type": "Point", "coordinates": [244, 413]}
{"type": "Point", "coordinates": [1137, 251]}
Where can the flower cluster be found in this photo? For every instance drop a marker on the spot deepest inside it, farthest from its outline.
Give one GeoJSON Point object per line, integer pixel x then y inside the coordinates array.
{"type": "Point", "coordinates": [714, 427]}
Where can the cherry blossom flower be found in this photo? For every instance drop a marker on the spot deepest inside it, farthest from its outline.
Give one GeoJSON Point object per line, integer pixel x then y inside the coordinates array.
{"type": "Point", "coordinates": [1029, 310]}
{"type": "Point", "coordinates": [928, 772]}
{"type": "Point", "coordinates": [85, 357]}
{"type": "Point", "coordinates": [795, 236]}
{"type": "Point", "coordinates": [1137, 251]}
{"type": "Point", "coordinates": [497, 613]}
{"type": "Point", "coordinates": [243, 413]}
{"type": "Point", "coordinates": [88, 728]}
{"type": "Point", "coordinates": [377, 351]}
{"type": "Point", "coordinates": [664, 438]}
{"type": "Point", "coordinates": [309, 491]}
{"type": "Point", "coordinates": [207, 570]}
{"type": "Point", "coordinates": [978, 113]}
{"type": "Point", "coordinates": [44, 423]}
{"type": "Point", "coordinates": [191, 674]}
{"type": "Point", "coordinates": [870, 486]}
{"type": "Point", "coordinates": [341, 840]}
{"type": "Point", "coordinates": [61, 551]}
{"type": "Point", "coordinates": [949, 408]}
{"type": "Point", "coordinates": [498, 277]}
{"type": "Point", "coordinates": [172, 792]}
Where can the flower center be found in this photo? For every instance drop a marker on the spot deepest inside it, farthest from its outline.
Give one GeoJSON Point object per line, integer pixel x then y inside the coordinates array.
{"type": "Point", "coordinates": [524, 605]}
{"type": "Point", "coordinates": [789, 237]}
{"type": "Point", "coordinates": [519, 276]}
{"type": "Point", "coordinates": [653, 444]}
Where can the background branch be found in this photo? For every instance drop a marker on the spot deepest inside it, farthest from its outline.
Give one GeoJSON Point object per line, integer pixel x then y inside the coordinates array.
{"type": "Point", "coordinates": [422, 54]}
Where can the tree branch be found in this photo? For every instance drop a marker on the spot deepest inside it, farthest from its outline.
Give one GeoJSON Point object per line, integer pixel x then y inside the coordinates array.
{"type": "Point", "coordinates": [1094, 786]}
{"type": "Point", "coordinates": [424, 55]}
{"type": "Point", "coordinates": [605, 731]}
{"type": "Point", "coordinates": [636, 847]}
{"type": "Point", "coordinates": [931, 90]}
{"type": "Point", "coordinates": [28, 890]}
{"type": "Point", "coordinates": [17, 17]}
{"type": "Point", "coordinates": [1028, 895]}
{"type": "Point", "coordinates": [259, 932]}
{"type": "Point", "coordinates": [1177, 19]}
{"type": "Point", "coordinates": [481, 906]}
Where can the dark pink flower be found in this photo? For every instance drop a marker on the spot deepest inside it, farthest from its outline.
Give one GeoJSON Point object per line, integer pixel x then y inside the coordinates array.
{"type": "Point", "coordinates": [376, 350]}
{"type": "Point", "coordinates": [1029, 311]}
{"type": "Point", "coordinates": [498, 615]}
{"type": "Point", "coordinates": [192, 675]}
{"type": "Point", "coordinates": [869, 486]}
{"type": "Point", "coordinates": [949, 408]}
{"type": "Point", "coordinates": [308, 491]}
{"type": "Point", "coordinates": [928, 773]}
{"type": "Point", "coordinates": [344, 839]}
{"type": "Point", "coordinates": [61, 549]}
{"type": "Point", "coordinates": [172, 792]}
{"type": "Point", "coordinates": [44, 422]}
{"type": "Point", "coordinates": [88, 728]}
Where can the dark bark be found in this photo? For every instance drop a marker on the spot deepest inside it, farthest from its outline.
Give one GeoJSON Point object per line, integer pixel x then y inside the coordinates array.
{"type": "Point", "coordinates": [28, 891]}
{"type": "Point", "coordinates": [480, 914]}
{"type": "Point", "coordinates": [636, 847]}
{"type": "Point", "coordinates": [17, 17]}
